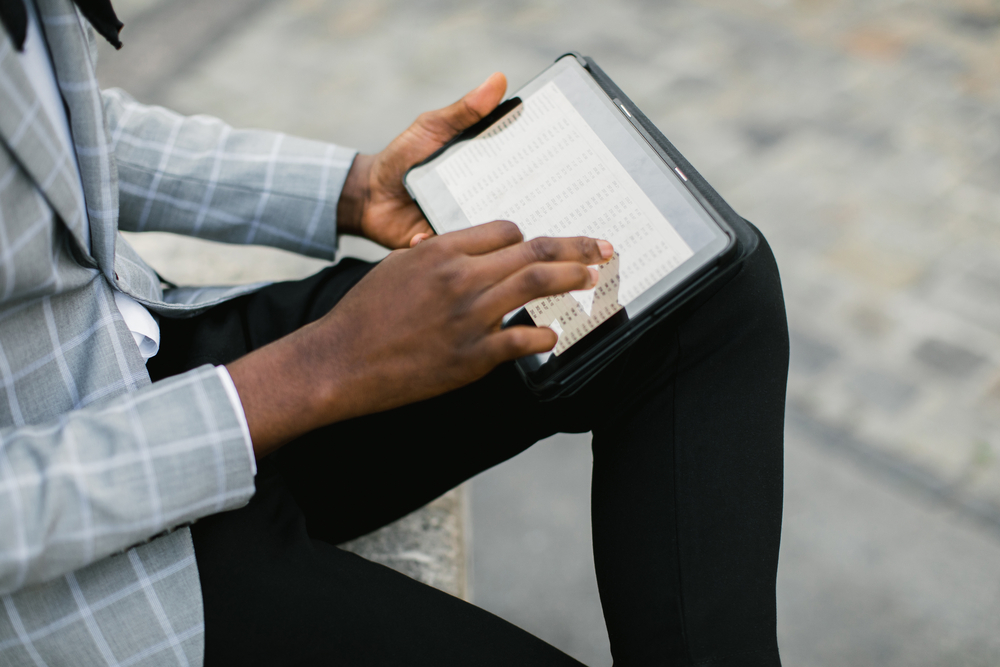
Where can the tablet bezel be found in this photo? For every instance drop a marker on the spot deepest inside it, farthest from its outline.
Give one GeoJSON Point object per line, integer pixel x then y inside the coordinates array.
{"type": "Point", "coordinates": [543, 372]}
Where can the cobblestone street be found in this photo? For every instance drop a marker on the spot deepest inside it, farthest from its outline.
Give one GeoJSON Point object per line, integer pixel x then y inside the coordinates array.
{"type": "Point", "coordinates": [862, 137]}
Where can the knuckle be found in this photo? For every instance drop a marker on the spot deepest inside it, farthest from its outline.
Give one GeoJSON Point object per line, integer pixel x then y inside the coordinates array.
{"type": "Point", "coordinates": [444, 248]}
{"type": "Point", "coordinates": [535, 279]}
{"type": "Point", "coordinates": [469, 113]}
{"type": "Point", "coordinates": [453, 278]}
{"type": "Point", "coordinates": [436, 246]}
{"type": "Point", "coordinates": [455, 358]}
{"type": "Point", "coordinates": [426, 118]}
{"type": "Point", "coordinates": [587, 247]}
{"type": "Point", "coordinates": [545, 249]}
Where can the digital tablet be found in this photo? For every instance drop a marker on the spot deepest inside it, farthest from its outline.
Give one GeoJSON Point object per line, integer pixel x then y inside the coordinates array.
{"type": "Point", "coordinates": [570, 155]}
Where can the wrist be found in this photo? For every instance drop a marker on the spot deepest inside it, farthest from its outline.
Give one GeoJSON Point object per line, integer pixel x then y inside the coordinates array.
{"type": "Point", "coordinates": [355, 195]}
{"type": "Point", "coordinates": [284, 390]}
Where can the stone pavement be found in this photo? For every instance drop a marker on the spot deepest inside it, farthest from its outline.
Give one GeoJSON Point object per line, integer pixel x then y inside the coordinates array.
{"type": "Point", "coordinates": [862, 137]}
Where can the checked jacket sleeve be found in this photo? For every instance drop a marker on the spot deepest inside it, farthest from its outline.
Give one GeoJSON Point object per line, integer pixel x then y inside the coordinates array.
{"type": "Point", "coordinates": [197, 176]}
{"type": "Point", "coordinates": [108, 476]}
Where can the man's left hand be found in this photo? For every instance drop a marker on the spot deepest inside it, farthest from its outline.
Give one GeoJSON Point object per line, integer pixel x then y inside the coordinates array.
{"type": "Point", "coordinates": [374, 202]}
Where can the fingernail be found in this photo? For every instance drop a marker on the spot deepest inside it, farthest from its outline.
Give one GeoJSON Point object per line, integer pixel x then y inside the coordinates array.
{"type": "Point", "coordinates": [594, 276]}
{"type": "Point", "coordinates": [606, 249]}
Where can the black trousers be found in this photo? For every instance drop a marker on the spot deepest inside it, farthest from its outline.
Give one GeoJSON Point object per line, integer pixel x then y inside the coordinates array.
{"type": "Point", "coordinates": [686, 497]}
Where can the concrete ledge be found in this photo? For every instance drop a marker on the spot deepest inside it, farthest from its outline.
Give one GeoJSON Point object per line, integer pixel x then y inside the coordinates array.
{"type": "Point", "coordinates": [428, 545]}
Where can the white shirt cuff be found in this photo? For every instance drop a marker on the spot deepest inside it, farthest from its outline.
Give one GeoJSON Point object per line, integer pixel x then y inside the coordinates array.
{"type": "Point", "coordinates": [234, 398]}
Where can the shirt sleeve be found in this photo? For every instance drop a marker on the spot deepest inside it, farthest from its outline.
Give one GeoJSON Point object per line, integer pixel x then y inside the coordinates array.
{"type": "Point", "coordinates": [234, 399]}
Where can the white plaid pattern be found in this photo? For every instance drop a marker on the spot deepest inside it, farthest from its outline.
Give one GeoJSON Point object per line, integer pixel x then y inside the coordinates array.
{"type": "Point", "coordinates": [93, 458]}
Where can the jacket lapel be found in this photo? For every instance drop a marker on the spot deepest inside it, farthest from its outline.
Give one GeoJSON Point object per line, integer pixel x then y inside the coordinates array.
{"type": "Point", "coordinates": [74, 57]}
{"type": "Point", "coordinates": [29, 135]}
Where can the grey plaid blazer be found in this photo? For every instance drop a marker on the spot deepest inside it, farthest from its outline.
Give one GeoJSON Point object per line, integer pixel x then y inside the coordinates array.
{"type": "Point", "coordinates": [94, 459]}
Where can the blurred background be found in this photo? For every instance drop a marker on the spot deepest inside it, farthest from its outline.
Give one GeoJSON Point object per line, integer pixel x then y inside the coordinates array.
{"type": "Point", "coordinates": [861, 136]}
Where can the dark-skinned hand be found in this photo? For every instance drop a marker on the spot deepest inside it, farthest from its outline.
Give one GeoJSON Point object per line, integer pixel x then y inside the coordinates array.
{"type": "Point", "coordinates": [425, 321]}
{"type": "Point", "coordinates": [374, 203]}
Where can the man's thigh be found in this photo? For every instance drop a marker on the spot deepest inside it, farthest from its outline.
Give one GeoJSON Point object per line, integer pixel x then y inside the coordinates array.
{"type": "Point", "coordinates": [275, 596]}
{"type": "Point", "coordinates": [353, 477]}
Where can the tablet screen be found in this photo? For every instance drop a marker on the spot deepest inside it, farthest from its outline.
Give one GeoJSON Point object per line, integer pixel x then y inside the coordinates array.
{"type": "Point", "coordinates": [567, 162]}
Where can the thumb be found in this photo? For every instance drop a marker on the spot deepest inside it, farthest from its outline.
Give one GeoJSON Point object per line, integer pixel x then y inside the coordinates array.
{"type": "Point", "coordinates": [469, 110]}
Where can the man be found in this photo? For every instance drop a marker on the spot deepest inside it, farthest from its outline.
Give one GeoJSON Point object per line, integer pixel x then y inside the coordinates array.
{"type": "Point", "coordinates": [361, 393]}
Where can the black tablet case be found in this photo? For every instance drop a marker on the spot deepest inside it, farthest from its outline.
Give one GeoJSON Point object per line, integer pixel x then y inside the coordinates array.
{"type": "Point", "coordinates": [602, 351]}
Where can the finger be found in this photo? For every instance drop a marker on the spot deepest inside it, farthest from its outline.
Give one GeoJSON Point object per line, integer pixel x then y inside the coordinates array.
{"type": "Point", "coordinates": [585, 250]}
{"type": "Point", "coordinates": [452, 119]}
{"type": "Point", "coordinates": [480, 239]}
{"type": "Point", "coordinates": [422, 227]}
{"type": "Point", "coordinates": [533, 282]}
{"type": "Point", "coordinates": [516, 342]}
{"type": "Point", "coordinates": [417, 238]}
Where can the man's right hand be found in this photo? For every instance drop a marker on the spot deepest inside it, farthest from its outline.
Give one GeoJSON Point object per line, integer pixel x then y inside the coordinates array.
{"type": "Point", "coordinates": [425, 321]}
